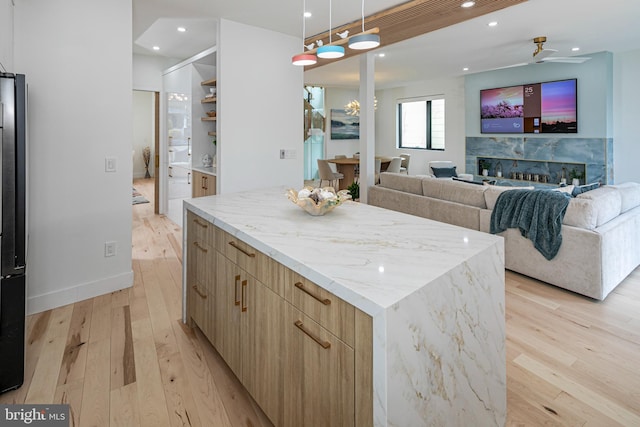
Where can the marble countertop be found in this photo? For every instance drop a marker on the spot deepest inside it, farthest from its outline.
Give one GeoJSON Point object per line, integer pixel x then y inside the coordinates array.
{"type": "Point", "coordinates": [208, 170]}
{"type": "Point", "coordinates": [370, 257]}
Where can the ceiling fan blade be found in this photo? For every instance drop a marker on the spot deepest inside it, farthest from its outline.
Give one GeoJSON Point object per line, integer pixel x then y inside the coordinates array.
{"type": "Point", "coordinates": [511, 66]}
{"type": "Point", "coordinates": [540, 56]}
{"type": "Point", "coordinates": [568, 60]}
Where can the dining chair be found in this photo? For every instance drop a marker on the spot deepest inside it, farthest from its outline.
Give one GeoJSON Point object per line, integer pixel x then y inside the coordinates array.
{"type": "Point", "coordinates": [404, 165]}
{"type": "Point", "coordinates": [326, 174]}
{"type": "Point", "coordinates": [394, 166]}
{"type": "Point", "coordinates": [340, 156]}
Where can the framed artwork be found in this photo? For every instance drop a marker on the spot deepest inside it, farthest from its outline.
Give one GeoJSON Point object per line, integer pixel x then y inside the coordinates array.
{"type": "Point", "coordinates": [344, 126]}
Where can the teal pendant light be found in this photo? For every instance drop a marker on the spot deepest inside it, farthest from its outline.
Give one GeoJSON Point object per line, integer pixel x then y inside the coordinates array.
{"type": "Point", "coordinates": [328, 51]}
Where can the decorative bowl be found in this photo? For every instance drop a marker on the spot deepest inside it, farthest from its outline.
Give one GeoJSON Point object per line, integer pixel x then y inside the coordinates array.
{"type": "Point", "coordinates": [318, 201]}
{"type": "Point", "coordinates": [211, 113]}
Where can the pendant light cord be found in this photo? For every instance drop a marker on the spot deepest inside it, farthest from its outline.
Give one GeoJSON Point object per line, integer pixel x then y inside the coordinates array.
{"type": "Point", "coordinates": [363, 16]}
{"type": "Point", "coordinates": [330, 28]}
{"type": "Point", "coordinates": [304, 23]}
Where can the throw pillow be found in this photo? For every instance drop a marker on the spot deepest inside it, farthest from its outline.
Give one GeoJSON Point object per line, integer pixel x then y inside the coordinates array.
{"type": "Point", "coordinates": [579, 189]}
{"type": "Point", "coordinates": [566, 189]}
{"type": "Point", "coordinates": [444, 172]}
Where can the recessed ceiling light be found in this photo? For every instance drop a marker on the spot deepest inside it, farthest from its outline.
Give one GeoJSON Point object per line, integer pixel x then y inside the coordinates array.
{"type": "Point", "coordinates": [575, 49]}
{"type": "Point", "coordinates": [492, 23]}
{"type": "Point", "coordinates": [381, 55]}
{"type": "Point", "coordinates": [156, 48]}
{"type": "Point", "coordinates": [182, 29]}
{"type": "Point", "coordinates": [307, 14]}
{"type": "Point", "coordinates": [465, 69]}
{"type": "Point", "coordinates": [468, 4]}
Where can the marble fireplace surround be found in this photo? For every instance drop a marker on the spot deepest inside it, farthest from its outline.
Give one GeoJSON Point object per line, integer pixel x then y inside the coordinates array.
{"type": "Point", "coordinates": [595, 153]}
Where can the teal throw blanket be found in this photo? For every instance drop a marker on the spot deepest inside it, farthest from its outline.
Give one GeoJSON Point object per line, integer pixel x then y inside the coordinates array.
{"type": "Point", "coordinates": [537, 213]}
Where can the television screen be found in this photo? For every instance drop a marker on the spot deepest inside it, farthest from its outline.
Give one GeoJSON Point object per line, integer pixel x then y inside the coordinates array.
{"type": "Point", "coordinates": [549, 107]}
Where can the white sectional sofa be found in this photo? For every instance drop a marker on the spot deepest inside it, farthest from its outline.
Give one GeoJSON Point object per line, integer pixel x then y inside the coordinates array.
{"type": "Point", "coordinates": [600, 231]}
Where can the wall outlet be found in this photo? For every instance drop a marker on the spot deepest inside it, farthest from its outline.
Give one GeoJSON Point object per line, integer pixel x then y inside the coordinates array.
{"type": "Point", "coordinates": [109, 249]}
{"type": "Point", "coordinates": [282, 154]}
{"type": "Point", "coordinates": [289, 154]}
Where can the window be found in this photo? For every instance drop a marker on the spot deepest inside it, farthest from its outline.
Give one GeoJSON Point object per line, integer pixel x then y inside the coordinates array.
{"type": "Point", "coordinates": [421, 124]}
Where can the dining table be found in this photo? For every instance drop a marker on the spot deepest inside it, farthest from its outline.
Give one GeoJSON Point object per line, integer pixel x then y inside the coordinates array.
{"type": "Point", "coordinates": [347, 167]}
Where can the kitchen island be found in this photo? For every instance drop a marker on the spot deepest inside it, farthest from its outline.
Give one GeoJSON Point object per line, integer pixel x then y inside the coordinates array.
{"type": "Point", "coordinates": [428, 340]}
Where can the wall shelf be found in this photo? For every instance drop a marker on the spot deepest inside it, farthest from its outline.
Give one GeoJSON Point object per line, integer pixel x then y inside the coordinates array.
{"type": "Point", "coordinates": [208, 119]}
{"type": "Point", "coordinates": [210, 82]}
{"type": "Point", "coordinates": [532, 171]}
{"type": "Point", "coordinates": [211, 99]}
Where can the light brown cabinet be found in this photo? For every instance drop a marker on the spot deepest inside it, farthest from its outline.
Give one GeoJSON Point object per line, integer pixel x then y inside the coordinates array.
{"type": "Point", "coordinates": [302, 353]}
{"type": "Point", "coordinates": [203, 184]}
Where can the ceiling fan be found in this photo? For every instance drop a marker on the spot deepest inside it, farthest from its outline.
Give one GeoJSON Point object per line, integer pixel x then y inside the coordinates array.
{"type": "Point", "coordinates": [542, 54]}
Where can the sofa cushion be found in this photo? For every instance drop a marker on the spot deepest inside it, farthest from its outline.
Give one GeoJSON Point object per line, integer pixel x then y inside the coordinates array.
{"type": "Point", "coordinates": [630, 195]}
{"type": "Point", "coordinates": [455, 191]}
{"type": "Point", "coordinates": [493, 191]}
{"type": "Point", "coordinates": [402, 182]}
{"type": "Point", "coordinates": [607, 201]}
{"type": "Point", "coordinates": [581, 213]}
{"type": "Point", "coordinates": [444, 172]}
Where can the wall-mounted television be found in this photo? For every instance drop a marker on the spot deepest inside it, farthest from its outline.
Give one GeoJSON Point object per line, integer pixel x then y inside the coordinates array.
{"type": "Point", "coordinates": [548, 107]}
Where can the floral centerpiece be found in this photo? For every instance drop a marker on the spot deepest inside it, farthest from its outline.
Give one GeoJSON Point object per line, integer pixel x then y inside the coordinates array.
{"type": "Point", "coordinates": [318, 201]}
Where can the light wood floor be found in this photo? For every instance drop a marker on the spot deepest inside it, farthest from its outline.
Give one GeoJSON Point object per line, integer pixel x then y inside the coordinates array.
{"type": "Point", "coordinates": [125, 359]}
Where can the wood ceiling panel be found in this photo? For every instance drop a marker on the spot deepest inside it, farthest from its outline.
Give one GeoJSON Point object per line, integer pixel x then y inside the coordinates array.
{"type": "Point", "coordinates": [411, 19]}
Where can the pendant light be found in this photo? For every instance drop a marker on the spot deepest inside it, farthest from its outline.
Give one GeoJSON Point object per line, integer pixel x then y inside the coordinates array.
{"type": "Point", "coordinates": [303, 58]}
{"type": "Point", "coordinates": [364, 41]}
{"type": "Point", "coordinates": [329, 51]}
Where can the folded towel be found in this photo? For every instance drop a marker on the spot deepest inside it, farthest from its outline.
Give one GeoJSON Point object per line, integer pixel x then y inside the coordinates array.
{"type": "Point", "coordinates": [537, 213]}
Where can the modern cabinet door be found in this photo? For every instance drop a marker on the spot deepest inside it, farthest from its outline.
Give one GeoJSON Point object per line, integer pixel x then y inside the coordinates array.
{"type": "Point", "coordinates": [319, 380]}
{"type": "Point", "coordinates": [203, 184]}
{"type": "Point", "coordinates": [262, 348]}
{"type": "Point", "coordinates": [230, 288]}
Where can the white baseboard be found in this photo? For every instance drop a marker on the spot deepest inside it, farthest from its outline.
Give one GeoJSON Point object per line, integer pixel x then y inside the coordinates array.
{"type": "Point", "coordinates": [38, 303]}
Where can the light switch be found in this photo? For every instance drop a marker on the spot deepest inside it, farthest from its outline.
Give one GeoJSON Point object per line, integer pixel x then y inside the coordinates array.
{"type": "Point", "coordinates": [110, 164]}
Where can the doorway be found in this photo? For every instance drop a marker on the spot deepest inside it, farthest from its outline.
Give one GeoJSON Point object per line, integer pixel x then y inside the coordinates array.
{"type": "Point", "coordinates": [145, 142]}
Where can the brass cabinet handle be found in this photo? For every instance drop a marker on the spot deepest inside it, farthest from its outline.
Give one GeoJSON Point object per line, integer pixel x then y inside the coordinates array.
{"type": "Point", "coordinates": [300, 286]}
{"type": "Point", "coordinates": [244, 299]}
{"type": "Point", "coordinates": [205, 184]}
{"type": "Point", "coordinates": [235, 245]}
{"type": "Point", "coordinates": [300, 325]}
{"type": "Point", "coordinates": [203, 296]}
{"type": "Point", "coordinates": [236, 301]}
{"type": "Point", "coordinates": [203, 249]}
{"type": "Point", "coordinates": [200, 223]}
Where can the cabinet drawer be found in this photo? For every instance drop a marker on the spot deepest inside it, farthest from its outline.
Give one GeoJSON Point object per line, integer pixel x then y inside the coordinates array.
{"type": "Point", "coordinates": [200, 230]}
{"type": "Point", "coordinates": [336, 315]}
{"type": "Point", "coordinates": [199, 311]}
{"type": "Point", "coordinates": [246, 257]}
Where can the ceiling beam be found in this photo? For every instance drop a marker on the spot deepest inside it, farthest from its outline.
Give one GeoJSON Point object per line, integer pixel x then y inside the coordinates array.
{"type": "Point", "coordinates": [411, 19]}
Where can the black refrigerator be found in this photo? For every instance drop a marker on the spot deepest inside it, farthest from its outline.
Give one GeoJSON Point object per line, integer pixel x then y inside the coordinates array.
{"type": "Point", "coordinates": [13, 229]}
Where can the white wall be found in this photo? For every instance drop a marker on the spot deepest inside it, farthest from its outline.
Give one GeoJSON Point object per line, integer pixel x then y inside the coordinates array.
{"type": "Point", "coordinates": [143, 131]}
{"type": "Point", "coordinates": [337, 98]}
{"type": "Point", "coordinates": [80, 112]}
{"type": "Point", "coordinates": [147, 71]}
{"type": "Point", "coordinates": [6, 36]}
{"type": "Point", "coordinates": [260, 109]}
{"type": "Point", "coordinates": [626, 110]}
{"type": "Point", "coordinates": [453, 91]}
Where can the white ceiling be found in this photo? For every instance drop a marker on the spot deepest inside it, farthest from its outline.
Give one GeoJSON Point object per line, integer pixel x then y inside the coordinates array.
{"type": "Point", "coordinates": [592, 25]}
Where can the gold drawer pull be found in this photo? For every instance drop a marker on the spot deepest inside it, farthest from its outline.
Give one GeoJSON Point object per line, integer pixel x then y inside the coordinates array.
{"type": "Point", "coordinates": [203, 249]}
{"type": "Point", "coordinates": [300, 325]}
{"type": "Point", "coordinates": [300, 286]}
{"type": "Point", "coordinates": [203, 296]}
{"type": "Point", "coordinates": [236, 301]}
{"type": "Point", "coordinates": [235, 245]}
{"type": "Point", "coordinates": [200, 223]}
{"type": "Point", "coordinates": [244, 299]}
